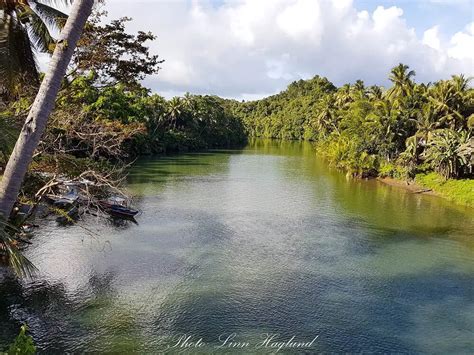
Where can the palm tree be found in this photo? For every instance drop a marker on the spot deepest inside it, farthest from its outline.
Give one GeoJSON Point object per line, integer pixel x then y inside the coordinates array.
{"type": "Point", "coordinates": [37, 119]}
{"type": "Point", "coordinates": [358, 90]}
{"type": "Point", "coordinates": [449, 99]}
{"type": "Point", "coordinates": [175, 106]}
{"type": "Point", "coordinates": [375, 93]}
{"type": "Point", "coordinates": [384, 128]}
{"type": "Point", "coordinates": [326, 119]}
{"type": "Point", "coordinates": [461, 82]}
{"type": "Point", "coordinates": [426, 122]}
{"type": "Point", "coordinates": [156, 117]}
{"type": "Point", "coordinates": [24, 30]}
{"type": "Point", "coordinates": [449, 152]}
{"type": "Point", "coordinates": [401, 77]}
{"type": "Point", "coordinates": [343, 96]}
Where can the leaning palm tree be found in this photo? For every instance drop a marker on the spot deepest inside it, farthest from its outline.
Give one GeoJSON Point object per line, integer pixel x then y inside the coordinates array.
{"type": "Point", "coordinates": [35, 123]}
{"type": "Point", "coordinates": [24, 29]}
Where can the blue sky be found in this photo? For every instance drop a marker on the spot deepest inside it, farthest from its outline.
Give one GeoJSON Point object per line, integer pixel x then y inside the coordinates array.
{"type": "Point", "coordinates": [450, 15]}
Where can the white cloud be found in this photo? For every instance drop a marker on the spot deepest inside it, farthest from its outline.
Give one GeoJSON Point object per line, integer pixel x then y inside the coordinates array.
{"type": "Point", "coordinates": [248, 48]}
{"type": "Point", "coordinates": [276, 68]}
{"type": "Point", "coordinates": [301, 19]}
{"type": "Point", "coordinates": [431, 38]}
{"type": "Point", "coordinates": [387, 18]}
{"type": "Point", "coordinates": [462, 44]}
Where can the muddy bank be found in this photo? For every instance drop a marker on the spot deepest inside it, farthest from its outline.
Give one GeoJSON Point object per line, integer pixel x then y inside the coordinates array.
{"type": "Point", "coordinates": [411, 186]}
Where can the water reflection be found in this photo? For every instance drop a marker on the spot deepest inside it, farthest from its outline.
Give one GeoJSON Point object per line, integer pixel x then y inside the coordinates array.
{"type": "Point", "coordinates": [264, 239]}
{"type": "Point", "coordinates": [52, 313]}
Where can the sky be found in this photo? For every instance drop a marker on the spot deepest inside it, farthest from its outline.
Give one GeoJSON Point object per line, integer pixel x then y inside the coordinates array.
{"type": "Point", "coordinates": [249, 49]}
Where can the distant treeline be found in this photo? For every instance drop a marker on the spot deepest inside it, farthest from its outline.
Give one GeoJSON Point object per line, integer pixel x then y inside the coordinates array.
{"type": "Point", "coordinates": [368, 131]}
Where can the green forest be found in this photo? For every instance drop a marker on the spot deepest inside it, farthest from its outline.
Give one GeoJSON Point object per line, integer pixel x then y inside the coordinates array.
{"type": "Point", "coordinates": [408, 131]}
{"type": "Point", "coordinates": [370, 130]}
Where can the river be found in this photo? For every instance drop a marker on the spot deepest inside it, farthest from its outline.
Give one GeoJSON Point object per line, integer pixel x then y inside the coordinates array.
{"type": "Point", "coordinates": [255, 241]}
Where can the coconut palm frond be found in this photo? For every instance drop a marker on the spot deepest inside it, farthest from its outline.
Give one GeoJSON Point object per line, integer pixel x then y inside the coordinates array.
{"type": "Point", "coordinates": [50, 15]}
{"type": "Point", "coordinates": [25, 25]}
{"type": "Point", "coordinates": [20, 45]}
{"type": "Point", "coordinates": [56, 2]}
{"type": "Point", "coordinates": [18, 262]}
{"type": "Point", "coordinates": [16, 57]}
{"type": "Point", "coordinates": [39, 33]}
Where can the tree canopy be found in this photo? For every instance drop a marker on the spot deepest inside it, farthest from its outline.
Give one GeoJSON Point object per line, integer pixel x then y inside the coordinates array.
{"type": "Point", "coordinates": [373, 130]}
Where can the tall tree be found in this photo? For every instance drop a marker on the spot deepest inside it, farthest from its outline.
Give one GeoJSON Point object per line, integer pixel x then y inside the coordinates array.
{"type": "Point", "coordinates": [37, 119]}
{"type": "Point", "coordinates": [401, 77]}
{"type": "Point", "coordinates": [175, 108]}
{"type": "Point", "coordinates": [449, 100]}
{"type": "Point", "coordinates": [113, 55]}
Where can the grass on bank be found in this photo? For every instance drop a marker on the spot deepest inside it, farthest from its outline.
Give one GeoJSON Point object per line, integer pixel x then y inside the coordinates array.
{"type": "Point", "coordinates": [459, 191]}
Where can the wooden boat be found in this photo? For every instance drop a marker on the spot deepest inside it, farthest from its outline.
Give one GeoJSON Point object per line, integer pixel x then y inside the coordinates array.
{"type": "Point", "coordinates": [63, 201]}
{"type": "Point", "coordinates": [117, 206]}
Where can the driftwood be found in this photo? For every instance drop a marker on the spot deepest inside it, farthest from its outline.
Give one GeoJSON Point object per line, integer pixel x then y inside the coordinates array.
{"type": "Point", "coordinates": [422, 191]}
{"type": "Point", "coordinates": [77, 134]}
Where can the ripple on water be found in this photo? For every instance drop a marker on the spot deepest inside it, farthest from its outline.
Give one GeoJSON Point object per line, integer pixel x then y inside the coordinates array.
{"type": "Point", "coordinates": [262, 240]}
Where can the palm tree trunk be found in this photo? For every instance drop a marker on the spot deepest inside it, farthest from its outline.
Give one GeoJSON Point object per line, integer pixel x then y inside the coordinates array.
{"type": "Point", "coordinates": [35, 123]}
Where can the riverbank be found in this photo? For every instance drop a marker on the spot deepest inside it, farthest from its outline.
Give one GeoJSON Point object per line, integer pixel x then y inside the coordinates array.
{"type": "Point", "coordinates": [457, 191]}
{"type": "Point", "coordinates": [411, 186]}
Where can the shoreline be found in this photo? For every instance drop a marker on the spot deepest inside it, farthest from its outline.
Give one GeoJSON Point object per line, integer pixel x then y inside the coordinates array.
{"type": "Point", "coordinates": [457, 192]}
{"type": "Point", "coordinates": [412, 187]}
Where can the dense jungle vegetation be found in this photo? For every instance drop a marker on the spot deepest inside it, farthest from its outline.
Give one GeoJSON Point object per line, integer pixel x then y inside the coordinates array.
{"type": "Point", "coordinates": [406, 130]}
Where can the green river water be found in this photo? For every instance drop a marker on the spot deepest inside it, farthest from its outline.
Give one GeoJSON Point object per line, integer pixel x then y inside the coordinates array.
{"type": "Point", "coordinates": [251, 242]}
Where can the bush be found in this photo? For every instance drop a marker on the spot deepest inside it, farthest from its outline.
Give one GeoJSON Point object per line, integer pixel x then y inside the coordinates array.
{"type": "Point", "coordinates": [387, 169]}
{"type": "Point", "coordinates": [347, 154]}
{"type": "Point", "coordinates": [23, 344]}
